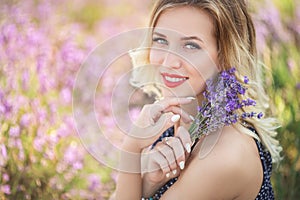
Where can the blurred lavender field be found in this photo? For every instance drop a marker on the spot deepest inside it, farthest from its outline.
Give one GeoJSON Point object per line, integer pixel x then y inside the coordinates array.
{"type": "Point", "coordinates": [42, 45]}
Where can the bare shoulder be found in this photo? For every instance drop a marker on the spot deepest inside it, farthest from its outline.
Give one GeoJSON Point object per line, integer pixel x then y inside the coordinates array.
{"type": "Point", "coordinates": [232, 170]}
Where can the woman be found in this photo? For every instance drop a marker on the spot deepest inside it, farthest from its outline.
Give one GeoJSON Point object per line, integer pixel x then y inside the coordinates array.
{"type": "Point", "coordinates": [192, 40]}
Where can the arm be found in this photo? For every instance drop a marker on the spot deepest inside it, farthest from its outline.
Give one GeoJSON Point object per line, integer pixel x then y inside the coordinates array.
{"type": "Point", "coordinates": [151, 123]}
{"type": "Point", "coordinates": [165, 161]}
{"type": "Point", "coordinates": [128, 181]}
{"type": "Point", "coordinates": [231, 171]}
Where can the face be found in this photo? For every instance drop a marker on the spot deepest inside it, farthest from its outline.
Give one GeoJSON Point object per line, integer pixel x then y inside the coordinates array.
{"type": "Point", "coordinates": [184, 50]}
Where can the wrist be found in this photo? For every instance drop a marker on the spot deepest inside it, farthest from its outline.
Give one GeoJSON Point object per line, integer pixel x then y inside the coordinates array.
{"type": "Point", "coordinates": [130, 160]}
{"type": "Point", "coordinates": [132, 145]}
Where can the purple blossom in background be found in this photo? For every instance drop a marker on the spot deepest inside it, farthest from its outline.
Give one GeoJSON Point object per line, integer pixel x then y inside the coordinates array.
{"type": "Point", "coordinates": [38, 143]}
{"type": "Point", "coordinates": [74, 157]}
{"type": "Point", "coordinates": [109, 27]}
{"type": "Point", "coordinates": [41, 51]}
{"type": "Point", "coordinates": [5, 177]}
{"type": "Point", "coordinates": [71, 55]}
{"type": "Point", "coordinates": [3, 151]}
{"type": "Point", "coordinates": [25, 80]}
{"type": "Point", "coordinates": [26, 120]}
{"type": "Point", "coordinates": [94, 182]}
{"type": "Point", "coordinates": [64, 131]}
{"type": "Point", "coordinates": [221, 103]}
{"type": "Point", "coordinates": [3, 155]}
{"type": "Point", "coordinates": [5, 189]}
{"type": "Point", "coordinates": [296, 23]}
{"type": "Point", "coordinates": [9, 32]}
{"type": "Point", "coordinates": [44, 10]}
{"type": "Point", "coordinates": [261, 35]}
{"type": "Point", "coordinates": [77, 165]}
{"type": "Point", "coordinates": [66, 95]}
{"type": "Point", "coordinates": [270, 28]}
{"type": "Point", "coordinates": [5, 107]}
{"type": "Point", "coordinates": [21, 155]}
{"type": "Point", "coordinates": [298, 86]}
{"type": "Point", "coordinates": [14, 131]}
{"type": "Point", "coordinates": [291, 64]}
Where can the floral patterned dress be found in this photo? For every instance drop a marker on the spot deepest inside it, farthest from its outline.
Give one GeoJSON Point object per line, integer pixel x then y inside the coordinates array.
{"type": "Point", "coordinates": [266, 190]}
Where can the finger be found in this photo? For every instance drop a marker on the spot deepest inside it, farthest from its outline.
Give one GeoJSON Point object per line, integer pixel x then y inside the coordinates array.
{"type": "Point", "coordinates": [160, 161]}
{"type": "Point", "coordinates": [167, 102]}
{"type": "Point", "coordinates": [178, 150]}
{"type": "Point", "coordinates": [184, 137]}
{"type": "Point", "coordinates": [168, 120]}
{"type": "Point", "coordinates": [150, 133]}
{"type": "Point", "coordinates": [168, 153]}
{"type": "Point", "coordinates": [145, 158]}
{"type": "Point", "coordinates": [157, 109]}
{"type": "Point", "coordinates": [184, 115]}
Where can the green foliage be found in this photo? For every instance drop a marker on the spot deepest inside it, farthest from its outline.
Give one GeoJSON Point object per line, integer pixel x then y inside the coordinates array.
{"type": "Point", "coordinates": [284, 59]}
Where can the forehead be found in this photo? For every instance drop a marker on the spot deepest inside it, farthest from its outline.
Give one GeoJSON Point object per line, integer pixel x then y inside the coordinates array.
{"type": "Point", "coordinates": [186, 20]}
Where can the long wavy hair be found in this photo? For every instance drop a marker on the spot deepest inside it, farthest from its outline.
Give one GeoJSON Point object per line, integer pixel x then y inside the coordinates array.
{"type": "Point", "coordinates": [236, 43]}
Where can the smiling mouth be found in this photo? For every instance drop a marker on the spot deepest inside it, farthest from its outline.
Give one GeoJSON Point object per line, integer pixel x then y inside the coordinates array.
{"type": "Point", "coordinates": [173, 80]}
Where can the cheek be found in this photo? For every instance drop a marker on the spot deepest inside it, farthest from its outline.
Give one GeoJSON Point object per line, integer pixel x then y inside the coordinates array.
{"type": "Point", "coordinates": [155, 57]}
{"type": "Point", "coordinates": [203, 67]}
{"type": "Point", "coordinates": [197, 80]}
{"type": "Point", "coordinates": [198, 85]}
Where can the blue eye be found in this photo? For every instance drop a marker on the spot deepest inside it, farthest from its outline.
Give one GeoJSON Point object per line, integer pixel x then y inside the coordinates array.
{"type": "Point", "coordinates": [160, 41]}
{"type": "Point", "coordinates": [192, 45]}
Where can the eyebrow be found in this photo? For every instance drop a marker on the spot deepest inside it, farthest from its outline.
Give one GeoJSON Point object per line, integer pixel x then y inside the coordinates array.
{"type": "Point", "coordinates": [159, 34]}
{"type": "Point", "coordinates": [192, 38]}
{"type": "Point", "coordinates": [184, 38]}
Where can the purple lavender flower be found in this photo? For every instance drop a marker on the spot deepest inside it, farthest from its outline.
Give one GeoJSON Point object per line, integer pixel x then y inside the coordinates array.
{"type": "Point", "coordinates": [66, 95]}
{"type": "Point", "coordinates": [221, 101]}
{"type": "Point", "coordinates": [298, 86]}
{"type": "Point", "coordinates": [3, 151]}
{"type": "Point", "coordinates": [25, 120]}
{"type": "Point", "coordinates": [246, 80]}
{"type": "Point", "coordinates": [260, 115]}
{"type": "Point", "coordinates": [94, 182]}
{"type": "Point", "coordinates": [3, 155]}
{"type": "Point", "coordinates": [5, 189]}
{"type": "Point", "coordinates": [38, 143]}
{"type": "Point", "coordinates": [14, 131]}
{"type": "Point", "coordinates": [5, 177]}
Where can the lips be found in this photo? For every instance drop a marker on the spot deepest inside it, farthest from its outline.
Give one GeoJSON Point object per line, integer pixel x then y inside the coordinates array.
{"type": "Point", "coordinates": [173, 80]}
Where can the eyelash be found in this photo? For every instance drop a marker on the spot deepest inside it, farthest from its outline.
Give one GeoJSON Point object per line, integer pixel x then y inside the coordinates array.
{"type": "Point", "coordinates": [162, 41]}
{"type": "Point", "coordinates": [193, 45]}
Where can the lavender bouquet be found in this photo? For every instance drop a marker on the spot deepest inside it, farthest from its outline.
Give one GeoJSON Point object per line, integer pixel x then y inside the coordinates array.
{"type": "Point", "coordinates": [220, 104]}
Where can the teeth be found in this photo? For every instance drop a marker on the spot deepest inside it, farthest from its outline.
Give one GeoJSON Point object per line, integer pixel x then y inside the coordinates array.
{"type": "Point", "coordinates": [174, 80]}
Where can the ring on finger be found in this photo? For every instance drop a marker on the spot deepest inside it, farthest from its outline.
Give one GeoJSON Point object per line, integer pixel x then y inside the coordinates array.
{"type": "Point", "coordinates": [166, 140]}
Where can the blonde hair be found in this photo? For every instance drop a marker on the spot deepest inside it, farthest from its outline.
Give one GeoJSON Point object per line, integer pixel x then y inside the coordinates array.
{"type": "Point", "coordinates": [236, 42]}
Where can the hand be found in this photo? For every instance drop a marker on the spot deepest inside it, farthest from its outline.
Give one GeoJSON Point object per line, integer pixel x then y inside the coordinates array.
{"type": "Point", "coordinates": [154, 119]}
{"type": "Point", "coordinates": [165, 160]}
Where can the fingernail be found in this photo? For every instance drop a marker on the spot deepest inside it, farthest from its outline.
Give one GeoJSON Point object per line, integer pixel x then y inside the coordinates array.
{"type": "Point", "coordinates": [192, 118]}
{"type": "Point", "coordinates": [191, 98]}
{"type": "Point", "coordinates": [175, 118]}
{"type": "Point", "coordinates": [174, 171]}
{"type": "Point", "coordinates": [188, 147]}
{"type": "Point", "coordinates": [181, 165]}
{"type": "Point", "coordinates": [168, 175]}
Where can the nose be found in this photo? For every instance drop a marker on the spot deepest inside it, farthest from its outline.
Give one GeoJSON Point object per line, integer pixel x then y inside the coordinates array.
{"type": "Point", "coordinates": [172, 60]}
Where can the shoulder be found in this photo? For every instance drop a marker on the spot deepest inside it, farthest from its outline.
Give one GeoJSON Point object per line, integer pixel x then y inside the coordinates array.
{"type": "Point", "coordinates": [227, 169]}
